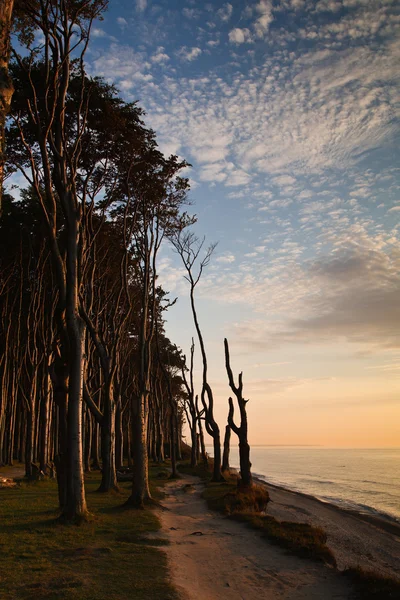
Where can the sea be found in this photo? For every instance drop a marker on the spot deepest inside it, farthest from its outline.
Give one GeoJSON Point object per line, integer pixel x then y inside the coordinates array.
{"type": "Point", "coordinates": [366, 480]}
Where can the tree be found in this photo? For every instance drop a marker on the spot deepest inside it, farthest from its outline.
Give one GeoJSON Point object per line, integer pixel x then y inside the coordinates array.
{"type": "Point", "coordinates": [241, 431]}
{"type": "Point", "coordinates": [6, 85]}
{"type": "Point", "coordinates": [188, 247]}
{"type": "Point", "coordinates": [191, 413]}
{"type": "Point", "coordinates": [51, 149]}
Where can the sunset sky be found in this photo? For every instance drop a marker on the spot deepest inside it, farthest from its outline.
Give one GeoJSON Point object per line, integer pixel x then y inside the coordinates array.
{"type": "Point", "coordinates": [288, 111]}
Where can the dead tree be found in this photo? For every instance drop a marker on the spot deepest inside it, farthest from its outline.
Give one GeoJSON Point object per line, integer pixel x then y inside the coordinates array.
{"type": "Point", "coordinates": [241, 432]}
{"type": "Point", "coordinates": [225, 454]}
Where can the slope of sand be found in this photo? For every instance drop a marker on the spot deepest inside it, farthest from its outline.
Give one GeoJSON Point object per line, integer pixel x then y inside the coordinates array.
{"type": "Point", "coordinates": [212, 557]}
{"type": "Point", "coordinates": [355, 539]}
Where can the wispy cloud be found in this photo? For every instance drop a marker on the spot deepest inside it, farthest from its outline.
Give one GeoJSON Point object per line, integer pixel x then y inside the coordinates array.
{"type": "Point", "coordinates": [141, 5]}
{"type": "Point", "coordinates": [225, 12]}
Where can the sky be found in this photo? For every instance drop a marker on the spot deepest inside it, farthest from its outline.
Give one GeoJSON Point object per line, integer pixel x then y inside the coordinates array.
{"type": "Point", "coordinates": [288, 111]}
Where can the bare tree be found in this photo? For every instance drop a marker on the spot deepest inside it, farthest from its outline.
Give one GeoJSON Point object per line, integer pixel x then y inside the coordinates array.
{"type": "Point", "coordinates": [225, 454]}
{"type": "Point", "coordinates": [189, 247]}
{"type": "Point", "coordinates": [241, 432]}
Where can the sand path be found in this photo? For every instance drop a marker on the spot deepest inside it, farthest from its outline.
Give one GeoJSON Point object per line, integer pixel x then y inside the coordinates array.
{"type": "Point", "coordinates": [212, 557]}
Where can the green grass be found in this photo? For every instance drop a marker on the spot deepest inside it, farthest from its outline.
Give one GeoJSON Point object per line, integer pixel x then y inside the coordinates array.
{"type": "Point", "coordinates": [107, 558]}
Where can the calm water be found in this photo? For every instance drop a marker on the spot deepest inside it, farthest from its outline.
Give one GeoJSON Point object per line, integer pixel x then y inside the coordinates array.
{"type": "Point", "coordinates": [364, 479]}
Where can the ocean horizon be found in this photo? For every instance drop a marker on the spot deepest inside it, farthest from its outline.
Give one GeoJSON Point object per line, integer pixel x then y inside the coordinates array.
{"type": "Point", "coordinates": [363, 479]}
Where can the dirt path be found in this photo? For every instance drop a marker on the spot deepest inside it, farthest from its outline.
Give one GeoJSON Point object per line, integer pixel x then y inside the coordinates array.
{"type": "Point", "coordinates": [212, 557]}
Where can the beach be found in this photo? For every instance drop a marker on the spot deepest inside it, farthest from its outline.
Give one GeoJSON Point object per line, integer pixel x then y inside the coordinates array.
{"type": "Point", "coordinates": [357, 539]}
{"type": "Point", "coordinates": [211, 556]}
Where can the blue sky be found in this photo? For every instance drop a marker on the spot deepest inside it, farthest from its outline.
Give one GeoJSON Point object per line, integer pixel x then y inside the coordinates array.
{"type": "Point", "coordinates": [289, 113]}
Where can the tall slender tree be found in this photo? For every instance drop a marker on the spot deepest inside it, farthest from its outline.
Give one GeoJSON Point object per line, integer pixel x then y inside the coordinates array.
{"type": "Point", "coordinates": [6, 85]}
{"type": "Point", "coordinates": [189, 248]}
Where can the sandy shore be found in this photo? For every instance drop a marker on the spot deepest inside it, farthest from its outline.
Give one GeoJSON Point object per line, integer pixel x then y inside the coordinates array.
{"type": "Point", "coordinates": [356, 539]}
{"type": "Point", "coordinates": [214, 558]}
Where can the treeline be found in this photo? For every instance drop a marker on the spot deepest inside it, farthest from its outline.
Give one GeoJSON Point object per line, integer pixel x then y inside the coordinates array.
{"type": "Point", "coordinates": [88, 377]}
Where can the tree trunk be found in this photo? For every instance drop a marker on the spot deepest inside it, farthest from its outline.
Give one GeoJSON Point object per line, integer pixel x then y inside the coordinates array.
{"type": "Point", "coordinates": [204, 456]}
{"type": "Point", "coordinates": [245, 464]}
{"type": "Point", "coordinates": [76, 502]}
{"type": "Point", "coordinates": [193, 436]}
{"type": "Point", "coordinates": [88, 440]}
{"type": "Point", "coordinates": [225, 457]}
{"type": "Point", "coordinates": [119, 437]}
{"type": "Point", "coordinates": [29, 444]}
{"type": "Point", "coordinates": [44, 423]}
{"type": "Point", "coordinates": [242, 431]}
{"type": "Point", "coordinates": [109, 473]}
{"type": "Point", "coordinates": [95, 447]}
{"type": "Point", "coordinates": [217, 476]}
{"type": "Point", "coordinates": [140, 487]}
{"type": "Point", "coordinates": [6, 86]}
{"type": "Point", "coordinates": [173, 439]}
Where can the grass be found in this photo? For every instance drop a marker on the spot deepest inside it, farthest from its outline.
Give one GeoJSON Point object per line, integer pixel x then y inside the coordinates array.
{"type": "Point", "coordinates": [248, 506]}
{"type": "Point", "coordinates": [110, 557]}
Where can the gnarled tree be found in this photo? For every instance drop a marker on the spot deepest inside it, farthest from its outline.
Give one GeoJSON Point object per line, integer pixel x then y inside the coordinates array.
{"type": "Point", "coordinates": [242, 430]}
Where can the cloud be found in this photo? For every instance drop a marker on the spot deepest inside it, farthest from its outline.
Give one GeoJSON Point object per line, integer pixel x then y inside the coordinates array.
{"type": "Point", "coordinates": [293, 115]}
{"type": "Point", "coordinates": [191, 13]}
{"type": "Point", "coordinates": [238, 177]}
{"type": "Point", "coordinates": [239, 36]}
{"type": "Point", "coordinates": [214, 172]}
{"type": "Point", "coordinates": [284, 180]}
{"type": "Point", "coordinates": [225, 12]}
{"type": "Point", "coordinates": [122, 22]}
{"type": "Point", "coordinates": [352, 296]}
{"type": "Point", "coordinates": [189, 54]}
{"type": "Point", "coordinates": [328, 6]}
{"type": "Point", "coordinates": [141, 5]}
{"type": "Point", "coordinates": [261, 25]}
{"type": "Point", "coordinates": [97, 32]}
{"type": "Point", "coordinates": [226, 258]}
{"type": "Point", "coordinates": [160, 56]}
{"type": "Point", "coordinates": [121, 63]}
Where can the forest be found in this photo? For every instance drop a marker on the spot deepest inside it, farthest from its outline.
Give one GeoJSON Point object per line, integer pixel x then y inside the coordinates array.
{"type": "Point", "coordinates": [88, 378]}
